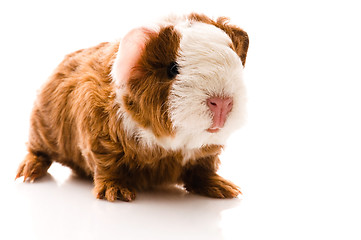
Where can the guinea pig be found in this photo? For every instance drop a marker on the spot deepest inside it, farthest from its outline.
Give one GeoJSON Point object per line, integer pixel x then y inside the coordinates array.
{"type": "Point", "coordinates": [154, 108]}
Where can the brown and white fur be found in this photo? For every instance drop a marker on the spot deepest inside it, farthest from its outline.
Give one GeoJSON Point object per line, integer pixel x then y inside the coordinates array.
{"type": "Point", "coordinates": [113, 112]}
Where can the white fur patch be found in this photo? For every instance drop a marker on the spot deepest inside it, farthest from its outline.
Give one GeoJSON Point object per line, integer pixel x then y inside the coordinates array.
{"type": "Point", "coordinates": [208, 67]}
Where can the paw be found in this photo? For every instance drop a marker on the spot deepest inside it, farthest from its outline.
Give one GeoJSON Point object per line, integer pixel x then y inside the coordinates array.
{"type": "Point", "coordinates": [222, 189]}
{"type": "Point", "coordinates": [215, 187]}
{"type": "Point", "coordinates": [112, 191]}
{"type": "Point", "coordinates": [33, 167]}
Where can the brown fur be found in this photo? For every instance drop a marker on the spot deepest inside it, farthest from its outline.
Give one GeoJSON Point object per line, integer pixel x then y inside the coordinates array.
{"type": "Point", "coordinates": [75, 122]}
{"type": "Point", "coordinates": [149, 85]}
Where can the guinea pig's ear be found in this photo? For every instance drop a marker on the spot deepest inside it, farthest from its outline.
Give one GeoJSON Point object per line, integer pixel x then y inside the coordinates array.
{"type": "Point", "coordinates": [129, 53]}
{"type": "Point", "coordinates": [238, 36]}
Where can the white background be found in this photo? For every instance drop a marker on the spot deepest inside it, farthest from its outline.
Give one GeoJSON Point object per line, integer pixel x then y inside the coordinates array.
{"type": "Point", "coordinates": [297, 159]}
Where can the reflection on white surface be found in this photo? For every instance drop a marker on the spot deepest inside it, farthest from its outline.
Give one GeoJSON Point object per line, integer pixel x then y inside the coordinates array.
{"type": "Point", "coordinates": [63, 207]}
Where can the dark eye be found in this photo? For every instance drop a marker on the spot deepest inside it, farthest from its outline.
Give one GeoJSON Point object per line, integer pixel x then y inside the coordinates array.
{"type": "Point", "coordinates": [172, 70]}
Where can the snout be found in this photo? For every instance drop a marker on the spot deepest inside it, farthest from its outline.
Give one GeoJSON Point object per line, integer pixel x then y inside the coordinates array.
{"type": "Point", "coordinates": [220, 108]}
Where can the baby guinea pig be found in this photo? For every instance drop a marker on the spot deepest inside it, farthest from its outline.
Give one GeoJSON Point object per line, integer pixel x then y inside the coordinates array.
{"type": "Point", "coordinates": [152, 109]}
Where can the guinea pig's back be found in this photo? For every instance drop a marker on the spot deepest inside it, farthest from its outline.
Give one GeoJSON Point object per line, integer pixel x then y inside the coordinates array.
{"type": "Point", "coordinates": [76, 95]}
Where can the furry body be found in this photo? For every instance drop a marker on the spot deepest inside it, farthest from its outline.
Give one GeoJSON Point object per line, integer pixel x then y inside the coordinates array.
{"type": "Point", "coordinates": [127, 134]}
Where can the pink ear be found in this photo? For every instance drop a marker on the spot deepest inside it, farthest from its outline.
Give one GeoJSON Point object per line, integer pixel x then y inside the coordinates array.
{"type": "Point", "coordinates": [129, 53]}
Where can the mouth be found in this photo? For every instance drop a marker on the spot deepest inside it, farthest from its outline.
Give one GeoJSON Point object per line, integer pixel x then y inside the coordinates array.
{"type": "Point", "coordinates": [213, 130]}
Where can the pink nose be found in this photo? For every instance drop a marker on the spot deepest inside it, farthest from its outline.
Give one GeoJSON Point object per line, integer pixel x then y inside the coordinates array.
{"type": "Point", "coordinates": [220, 108]}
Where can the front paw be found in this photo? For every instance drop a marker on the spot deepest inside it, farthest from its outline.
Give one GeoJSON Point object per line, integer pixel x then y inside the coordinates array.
{"type": "Point", "coordinates": [111, 191]}
{"type": "Point", "coordinates": [33, 167]}
{"type": "Point", "coordinates": [214, 186]}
